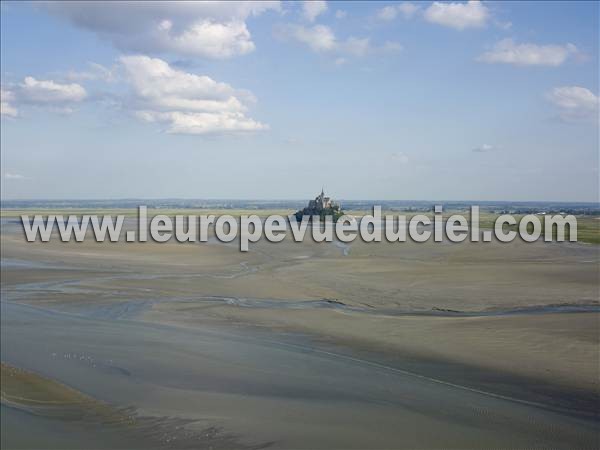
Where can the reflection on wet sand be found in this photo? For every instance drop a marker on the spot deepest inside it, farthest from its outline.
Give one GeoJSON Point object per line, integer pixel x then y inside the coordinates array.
{"type": "Point", "coordinates": [40, 413]}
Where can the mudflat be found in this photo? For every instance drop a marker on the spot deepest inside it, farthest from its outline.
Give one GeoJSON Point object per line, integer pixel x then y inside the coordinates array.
{"type": "Point", "coordinates": [337, 345]}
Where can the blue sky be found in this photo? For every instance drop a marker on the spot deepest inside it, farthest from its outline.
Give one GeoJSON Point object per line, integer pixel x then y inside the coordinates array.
{"type": "Point", "coordinates": [374, 100]}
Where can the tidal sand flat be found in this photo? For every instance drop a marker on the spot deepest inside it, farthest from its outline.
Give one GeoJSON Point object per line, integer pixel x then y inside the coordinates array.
{"type": "Point", "coordinates": [310, 345]}
{"type": "Point", "coordinates": [38, 412]}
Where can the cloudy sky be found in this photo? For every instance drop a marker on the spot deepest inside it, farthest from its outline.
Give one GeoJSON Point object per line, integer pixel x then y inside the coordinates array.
{"type": "Point", "coordinates": [377, 100]}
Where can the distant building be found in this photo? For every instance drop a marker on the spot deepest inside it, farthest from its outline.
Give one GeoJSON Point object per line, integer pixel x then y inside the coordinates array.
{"type": "Point", "coordinates": [321, 206]}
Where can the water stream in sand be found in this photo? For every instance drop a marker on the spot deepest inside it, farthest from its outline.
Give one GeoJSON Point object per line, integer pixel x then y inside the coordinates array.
{"type": "Point", "coordinates": [131, 308]}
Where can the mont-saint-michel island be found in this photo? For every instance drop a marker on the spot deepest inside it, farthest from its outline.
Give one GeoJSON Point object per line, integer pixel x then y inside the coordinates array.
{"type": "Point", "coordinates": [322, 207]}
{"type": "Point", "coordinates": [156, 292]}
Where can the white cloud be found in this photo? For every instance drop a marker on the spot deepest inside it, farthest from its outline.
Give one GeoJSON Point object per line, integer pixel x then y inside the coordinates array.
{"type": "Point", "coordinates": [355, 46]}
{"type": "Point", "coordinates": [460, 16]}
{"type": "Point", "coordinates": [503, 25]}
{"type": "Point", "coordinates": [185, 102]}
{"type": "Point", "coordinates": [399, 157]}
{"type": "Point", "coordinates": [207, 29]}
{"type": "Point", "coordinates": [390, 12]}
{"type": "Point", "coordinates": [49, 92]}
{"type": "Point", "coordinates": [208, 38]}
{"type": "Point", "coordinates": [575, 103]}
{"type": "Point", "coordinates": [6, 107]}
{"type": "Point", "coordinates": [202, 123]}
{"type": "Point", "coordinates": [322, 39]}
{"type": "Point", "coordinates": [407, 9]}
{"type": "Point", "coordinates": [7, 110]}
{"type": "Point", "coordinates": [392, 46]}
{"type": "Point", "coordinates": [341, 14]}
{"type": "Point", "coordinates": [94, 72]}
{"type": "Point", "coordinates": [311, 9]}
{"type": "Point", "coordinates": [484, 148]}
{"type": "Point", "coordinates": [507, 51]}
{"type": "Point", "coordinates": [387, 13]}
{"type": "Point", "coordinates": [13, 176]}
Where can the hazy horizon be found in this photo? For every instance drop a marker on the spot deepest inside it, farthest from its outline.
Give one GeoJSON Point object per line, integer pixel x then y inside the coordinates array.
{"type": "Point", "coordinates": [140, 200]}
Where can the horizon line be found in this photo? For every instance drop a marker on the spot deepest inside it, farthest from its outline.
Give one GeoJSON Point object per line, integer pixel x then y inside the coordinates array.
{"type": "Point", "coordinates": [109, 199]}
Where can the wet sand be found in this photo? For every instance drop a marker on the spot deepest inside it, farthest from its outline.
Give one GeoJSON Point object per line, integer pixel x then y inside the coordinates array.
{"type": "Point", "coordinates": [38, 412]}
{"type": "Point", "coordinates": [284, 391]}
{"type": "Point", "coordinates": [317, 345]}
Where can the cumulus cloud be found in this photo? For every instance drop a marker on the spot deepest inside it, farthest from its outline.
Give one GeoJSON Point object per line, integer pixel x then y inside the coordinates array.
{"type": "Point", "coordinates": [6, 106]}
{"type": "Point", "coordinates": [508, 51]}
{"type": "Point", "coordinates": [390, 12]}
{"type": "Point", "coordinates": [207, 29]}
{"type": "Point", "coordinates": [472, 14]}
{"type": "Point", "coordinates": [311, 9]}
{"type": "Point", "coordinates": [49, 92]}
{"type": "Point", "coordinates": [322, 39]}
{"type": "Point", "coordinates": [575, 103]}
{"type": "Point", "coordinates": [187, 103]}
{"type": "Point", "coordinates": [183, 102]}
{"type": "Point", "coordinates": [59, 97]}
{"type": "Point", "coordinates": [319, 38]}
